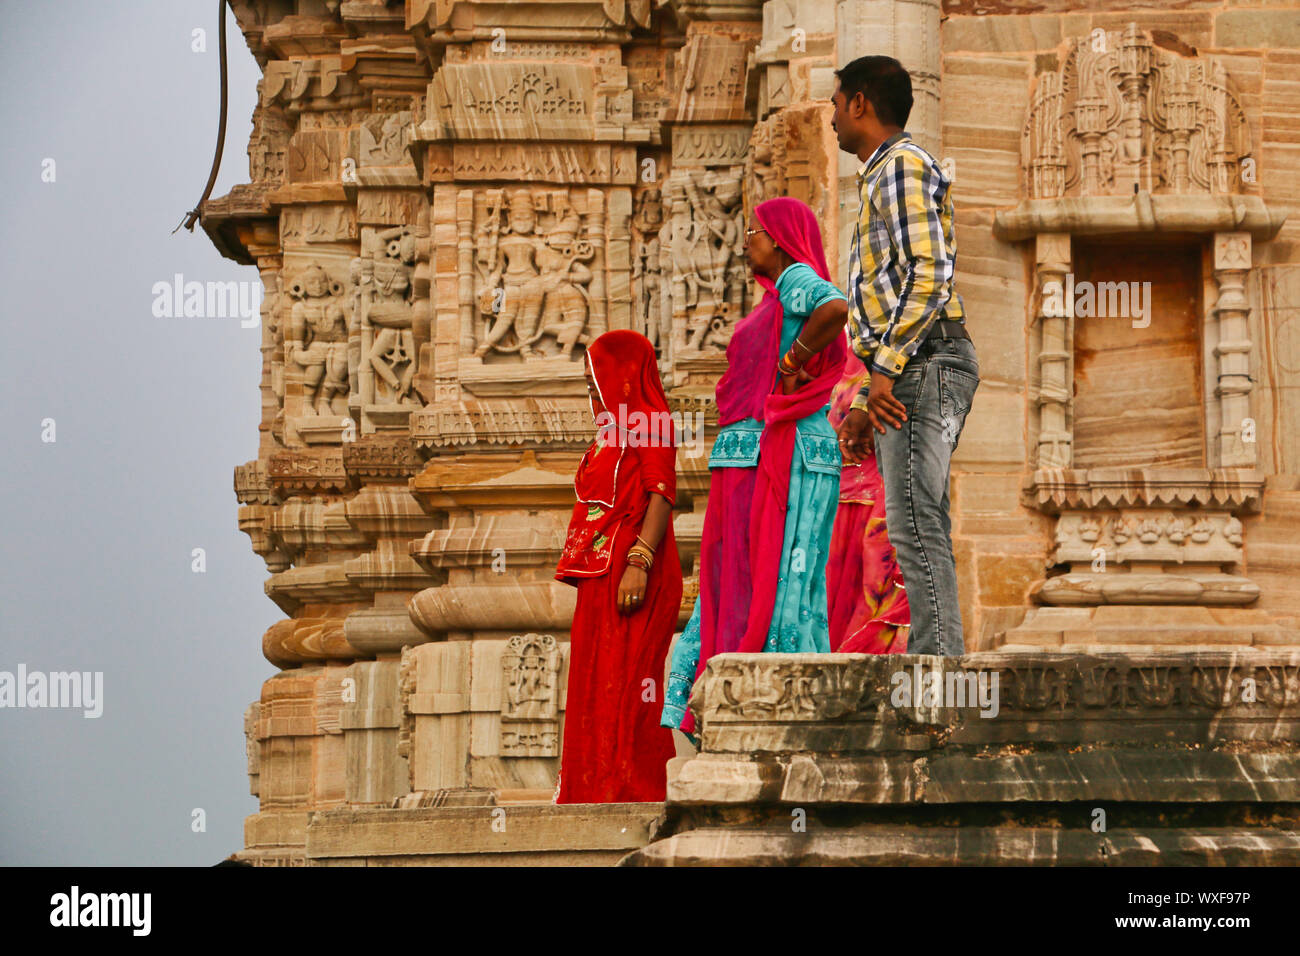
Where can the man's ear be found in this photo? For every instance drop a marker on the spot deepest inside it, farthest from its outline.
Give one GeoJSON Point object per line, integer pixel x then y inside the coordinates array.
{"type": "Point", "coordinates": [862, 108]}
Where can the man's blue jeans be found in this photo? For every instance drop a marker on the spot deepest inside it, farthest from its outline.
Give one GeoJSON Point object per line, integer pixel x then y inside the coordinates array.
{"type": "Point", "coordinates": [936, 386]}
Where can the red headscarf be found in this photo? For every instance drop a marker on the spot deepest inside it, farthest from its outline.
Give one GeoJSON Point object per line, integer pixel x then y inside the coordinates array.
{"type": "Point", "coordinates": [622, 362]}
{"type": "Point", "coordinates": [635, 414]}
{"type": "Point", "coordinates": [756, 340]}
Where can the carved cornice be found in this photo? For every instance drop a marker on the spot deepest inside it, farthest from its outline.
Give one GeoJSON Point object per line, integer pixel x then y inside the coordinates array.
{"type": "Point", "coordinates": [380, 457]}
{"type": "Point", "coordinates": [325, 583]}
{"type": "Point", "coordinates": [304, 473]}
{"type": "Point", "coordinates": [252, 485]}
{"type": "Point", "coordinates": [448, 21]}
{"type": "Point", "coordinates": [549, 423]}
{"type": "Point", "coordinates": [717, 10]}
{"type": "Point", "coordinates": [303, 36]}
{"type": "Point", "coordinates": [1139, 213]}
{"type": "Point", "coordinates": [242, 224]}
{"type": "Point", "coordinates": [1052, 489]}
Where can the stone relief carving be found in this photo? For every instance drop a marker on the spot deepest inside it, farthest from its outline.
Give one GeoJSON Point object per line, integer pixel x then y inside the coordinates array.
{"type": "Point", "coordinates": [651, 312]}
{"type": "Point", "coordinates": [1125, 113]}
{"type": "Point", "coordinates": [316, 341]}
{"type": "Point", "coordinates": [530, 668]}
{"type": "Point", "coordinates": [706, 252]}
{"type": "Point", "coordinates": [1142, 536]}
{"type": "Point", "coordinates": [320, 222]}
{"type": "Point", "coordinates": [382, 312]}
{"type": "Point", "coordinates": [384, 137]}
{"type": "Point", "coordinates": [712, 71]}
{"type": "Point", "coordinates": [742, 690]}
{"type": "Point", "coordinates": [533, 263]}
{"type": "Point", "coordinates": [267, 145]}
{"type": "Point", "coordinates": [320, 82]}
{"type": "Point", "coordinates": [765, 168]}
{"type": "Point", "coordinates": [511, 101]}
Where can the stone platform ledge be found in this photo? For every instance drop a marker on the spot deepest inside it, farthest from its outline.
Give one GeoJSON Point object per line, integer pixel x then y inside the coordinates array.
{"type": "Point", "coordinates": [1198, 746]}
{"type": "Point", "coordinates": [984, 846]}
{"type": "Point", "coordinates": [275, 837]}
{"type": "Point", "coordinates": [567, 835]}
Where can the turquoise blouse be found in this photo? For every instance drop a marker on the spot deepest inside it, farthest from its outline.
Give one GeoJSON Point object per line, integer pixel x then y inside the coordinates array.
{"type": "Point", "coordinates": [802, 291]}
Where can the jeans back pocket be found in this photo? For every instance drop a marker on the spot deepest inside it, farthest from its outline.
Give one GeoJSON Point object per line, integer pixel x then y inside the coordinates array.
{"type": "Point", "coordinates": [956, 394]}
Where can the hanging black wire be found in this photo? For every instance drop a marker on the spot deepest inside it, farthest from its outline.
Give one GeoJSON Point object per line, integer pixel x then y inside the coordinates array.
{"type": "Point", "coordinates": [193, 216]}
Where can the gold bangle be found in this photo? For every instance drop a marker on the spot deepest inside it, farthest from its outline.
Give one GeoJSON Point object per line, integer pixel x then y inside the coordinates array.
{"type": "Point", "coordinates": [799, 342]}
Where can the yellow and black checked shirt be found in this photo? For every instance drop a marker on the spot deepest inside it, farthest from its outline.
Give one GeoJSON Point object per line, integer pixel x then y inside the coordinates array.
{"type": "Point", "coordinates": [901, 277]}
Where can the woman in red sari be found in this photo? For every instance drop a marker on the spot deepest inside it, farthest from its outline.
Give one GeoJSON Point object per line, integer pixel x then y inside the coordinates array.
{"type": "Point", "coordinates": [621, 556]}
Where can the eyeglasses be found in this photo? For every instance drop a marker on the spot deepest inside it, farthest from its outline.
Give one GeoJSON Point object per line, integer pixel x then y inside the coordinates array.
{"type": "Point", "coordinates": [750, 232]}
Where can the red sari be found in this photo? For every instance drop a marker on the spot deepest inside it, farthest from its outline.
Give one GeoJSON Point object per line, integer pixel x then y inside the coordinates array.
{"type": "Point", "coordinates": [614, 749]}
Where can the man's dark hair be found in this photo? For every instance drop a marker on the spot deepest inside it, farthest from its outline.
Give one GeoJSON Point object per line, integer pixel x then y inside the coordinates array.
{"type": "Point", "coordinates": [885, 84]}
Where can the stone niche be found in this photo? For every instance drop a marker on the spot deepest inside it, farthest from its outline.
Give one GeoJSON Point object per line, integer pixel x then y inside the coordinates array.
{"type": "Point", "coordinates": [483, 717]}
{"type": "Point", "coordinates": [1142, 209]}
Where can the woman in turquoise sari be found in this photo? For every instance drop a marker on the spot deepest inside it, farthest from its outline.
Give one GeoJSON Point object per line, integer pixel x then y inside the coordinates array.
{"type": "Point", "coordinates": [775, 465]}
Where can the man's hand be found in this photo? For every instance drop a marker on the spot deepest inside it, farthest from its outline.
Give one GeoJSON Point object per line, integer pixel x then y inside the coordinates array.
{"type": "Point", "coordinates": [855, 436]}
{"type": "Point", "coordinates": [882, 407]}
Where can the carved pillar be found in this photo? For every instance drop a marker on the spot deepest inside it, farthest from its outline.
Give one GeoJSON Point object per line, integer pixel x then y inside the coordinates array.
{"type": "Point", "coordinates": [1055, 322]}
{"type": "Point", "coordinates": [907, 30]}
{"type": "Point", "coordinates": [1236, 439]}
{"type": "Point", "coordinates": [792, 151]}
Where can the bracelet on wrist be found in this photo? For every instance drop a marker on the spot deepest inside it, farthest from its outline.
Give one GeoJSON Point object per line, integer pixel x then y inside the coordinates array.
{"type": "Point", "coordinates": [642, 552]}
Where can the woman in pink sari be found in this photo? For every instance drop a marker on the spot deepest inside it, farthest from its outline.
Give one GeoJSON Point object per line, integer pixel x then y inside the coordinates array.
{"type": "Point", "coordinates": [868, 606]}
{"type": "Point", "coordinates": [775, 465]}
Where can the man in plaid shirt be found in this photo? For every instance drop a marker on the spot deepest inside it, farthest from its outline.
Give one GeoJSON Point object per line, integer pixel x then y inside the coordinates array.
{"type": "Point", "coordinates": [906, 322]}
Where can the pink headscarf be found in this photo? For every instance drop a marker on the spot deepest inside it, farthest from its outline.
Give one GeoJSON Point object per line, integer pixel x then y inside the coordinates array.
{"type": "Point", "coordinates": [751, 389]}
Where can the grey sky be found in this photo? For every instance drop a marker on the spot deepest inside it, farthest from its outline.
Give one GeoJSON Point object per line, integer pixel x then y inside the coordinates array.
{"type": "Point", "coordinates": [152, 414]}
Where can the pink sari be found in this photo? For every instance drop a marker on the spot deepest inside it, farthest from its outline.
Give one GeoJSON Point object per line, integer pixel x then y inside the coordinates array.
{"type": "Point", "coordinates": [744, 526]}
{"type": "Point", "coordinates": [864, 586]}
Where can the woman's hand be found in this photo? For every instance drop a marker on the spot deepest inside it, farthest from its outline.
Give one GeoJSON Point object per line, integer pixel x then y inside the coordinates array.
{"type": "Point", "coordinates": [856, 438]}
{"type": "Point", "coordinates": [631, 590]}
{"type": "Point", "coordinates": [790, 383]}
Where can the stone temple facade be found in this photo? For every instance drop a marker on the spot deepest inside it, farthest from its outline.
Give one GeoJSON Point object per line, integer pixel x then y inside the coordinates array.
{"type": "Point", "coordinates": [448, 199]}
